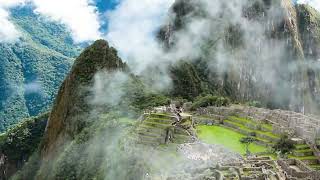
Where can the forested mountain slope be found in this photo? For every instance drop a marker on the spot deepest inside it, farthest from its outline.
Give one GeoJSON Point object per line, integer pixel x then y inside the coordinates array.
{"type": "Point", "coordinates": [32, 68]}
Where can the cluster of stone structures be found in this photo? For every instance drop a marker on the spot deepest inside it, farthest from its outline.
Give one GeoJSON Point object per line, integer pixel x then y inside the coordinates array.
{"type": "Point", "coordinates": [259, 168]}
{"type": "Point", "coordinates": [303, 129]}
{"type": "Point", "coordinates": [157, 128]}
{"type": "Point", "coordinates": [252, 168]}
{"type": "Point", "coordinates": [296, 124]}
{"type": "Point", "coordinates": [294, 169]}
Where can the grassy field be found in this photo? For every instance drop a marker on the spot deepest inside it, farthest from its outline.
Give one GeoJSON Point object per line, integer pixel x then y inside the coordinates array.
{"type": "Point", "coordinates": [228, 138]}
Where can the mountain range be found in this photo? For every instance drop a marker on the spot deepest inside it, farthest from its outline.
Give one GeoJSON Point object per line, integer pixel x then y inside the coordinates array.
{"type": "Point", "coordinates": [266, 57]}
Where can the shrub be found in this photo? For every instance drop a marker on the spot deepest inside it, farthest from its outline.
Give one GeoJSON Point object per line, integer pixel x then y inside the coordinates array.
{"type": "Point", "coordinates": [150, 100]}
{"type": "Point", "coordinates": [257, 104]}
{"type": "Point", "coordinates": [179, 101]}
{"type": "Point", "coordinates": [247, 141]}
{"type": "Point", "coordinates": [253, 134]}
{"type": "Point", "coordinates": [284, 145]}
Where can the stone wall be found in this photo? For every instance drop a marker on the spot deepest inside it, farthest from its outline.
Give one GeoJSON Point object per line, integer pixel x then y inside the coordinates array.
{"type": "Point", "coordinates": [303, 126]}
{"type": "Point", "coordinates": [315, 175]}
{"type": "Point", "coordinates": [316, 151]}
{"type": "Point", "coordinates": [304, 171]}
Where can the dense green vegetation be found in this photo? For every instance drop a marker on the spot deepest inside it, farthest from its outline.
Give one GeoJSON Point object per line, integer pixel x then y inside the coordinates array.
{"type": "Point", "coordinates": [210, 100]}
{"type": "Point", "coordinates": [284, 145]}
{"type": "Point", "coordinates": [20, 144]}
{"type": "Point", "coordinates": [186, 81]}
{"type": "Point", "coordinates": [139, 97]}
{"type": "Point", "coordinates": [255, 104]}
{"type": "Point", "coordinates": [32, 69]}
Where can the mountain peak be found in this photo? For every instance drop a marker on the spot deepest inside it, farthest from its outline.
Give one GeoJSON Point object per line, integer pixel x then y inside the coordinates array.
{"type": "Point", "coordinates": [68, 116]}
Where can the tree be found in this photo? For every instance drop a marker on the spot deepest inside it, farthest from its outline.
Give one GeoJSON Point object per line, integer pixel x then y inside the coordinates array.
{"type": "Point", "coordinates": [284, 145]}
{"type": "Point", "coordinates": [247, 141]}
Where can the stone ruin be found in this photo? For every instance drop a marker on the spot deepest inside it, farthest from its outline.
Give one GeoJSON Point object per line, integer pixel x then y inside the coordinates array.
{"type": "Point", "coordinates": [160, 126]}
{"type": "Point", "coordinates": [251, 168]}
{"type": "Point", "coordinates": [294, 169]}
{"type": "Point", "coordinates": [204, 155]}
{"type": "Point", "coordinates": [302, 127]}
{"type": "Point", "coordinates": [306, 127]}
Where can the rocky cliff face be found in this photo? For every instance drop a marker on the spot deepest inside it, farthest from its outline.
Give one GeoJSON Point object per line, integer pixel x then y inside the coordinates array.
{"type": "Point", "coordinates": [309, 29]}
{"type": "Point", "coordinates": [71, 108]}
{"type": "Point", "coordinates": [258, 50]}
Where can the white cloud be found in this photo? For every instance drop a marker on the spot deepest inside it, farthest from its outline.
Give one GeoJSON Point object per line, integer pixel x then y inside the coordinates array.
{"type": "Point", "coordinates": [10, 3]}
{"type": "Point", "coordinates": [132, 27]}
{"type": "Point", "coordinates": [8, 31]}
{"type": "Point", "coordinates": [80, 16]}
{"type": "Point", "coordinates": [313, 3]}
{"type": "Point", "coordinates": [33, 87]}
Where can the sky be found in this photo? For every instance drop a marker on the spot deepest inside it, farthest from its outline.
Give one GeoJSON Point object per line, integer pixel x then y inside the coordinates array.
{"type": "Point", "coordinates": [89, 20]}
{"type": "Point", "coordinates": [313, 3]}
{"type": "Point", "coordinates": [104, 5]}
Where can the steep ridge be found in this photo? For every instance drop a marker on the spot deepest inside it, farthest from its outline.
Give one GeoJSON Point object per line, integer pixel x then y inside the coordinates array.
{"type": "Point", "coordinates": [71, 107]}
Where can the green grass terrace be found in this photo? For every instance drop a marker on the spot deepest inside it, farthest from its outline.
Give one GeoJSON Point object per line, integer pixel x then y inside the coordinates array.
{"type": "Point", "coordinates": [229, 133]}
{"type": "Point", "coordinates": [227, 138]}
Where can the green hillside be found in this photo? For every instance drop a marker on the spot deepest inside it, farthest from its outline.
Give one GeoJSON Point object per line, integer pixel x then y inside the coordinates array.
{"type": "Point", "coordinates": [32, 69]}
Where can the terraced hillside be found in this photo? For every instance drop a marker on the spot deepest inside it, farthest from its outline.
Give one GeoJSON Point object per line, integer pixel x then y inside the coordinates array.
{"type": "Point", "coordinates": [157, 129]}
{"type": "Point", "coordinates": [304, 153]}
{"type": "Point", "coordinates": [262, 132]}
{"type": "Point", "coordinates": [265, 136]}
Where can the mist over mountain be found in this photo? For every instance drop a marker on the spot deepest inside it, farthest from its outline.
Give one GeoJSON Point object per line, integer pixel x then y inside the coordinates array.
{"type": "Point", "coordinates": [250, 51]}
{"type": "Point", "coordinates": [250, 67]}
